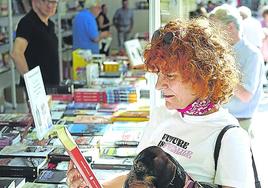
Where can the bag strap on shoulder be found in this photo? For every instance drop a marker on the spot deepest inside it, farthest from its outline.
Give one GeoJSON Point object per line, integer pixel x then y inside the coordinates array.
{"type": "Point", "coordinates": [217, 151]}
{"type": "Point", "coordinates": [218, 144]}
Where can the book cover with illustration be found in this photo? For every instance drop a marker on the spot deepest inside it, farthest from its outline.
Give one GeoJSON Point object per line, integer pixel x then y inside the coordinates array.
{"type": "Point", "coordinates": [77, 157]}
{"type": "Point", "coordinates": [92, 119]}
{"type": "Point", "coordinates": [87, 130]}
{"type": "Point", "coordinates": [16, 119]}
{"type": "Point", "coordinates": [82, 106]}
{"type": "Point", "coordinates": [52, 177]}
{"type": "Point", "coordinates": [60, 154]}
{"type": "Point", "coordinates": [38, 102]}
{"type": "Point", "coordinates": [79, 112]}
{"type": "Point", "coordinates": [26, 167]}
{"type": "Point", "coordinates": [20, 150]}
{"type": "Point", "coordinates": [123, 133]}
{"type": "Point", "coordinates": [108, 108]}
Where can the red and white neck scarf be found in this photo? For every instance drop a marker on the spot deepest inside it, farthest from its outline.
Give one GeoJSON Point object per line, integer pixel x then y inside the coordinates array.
{"type": "Point", "coordinates": [197, 108]}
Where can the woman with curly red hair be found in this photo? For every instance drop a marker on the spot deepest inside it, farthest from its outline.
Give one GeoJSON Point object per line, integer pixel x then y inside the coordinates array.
{"type": "Point", "coordinates": [196, 75]}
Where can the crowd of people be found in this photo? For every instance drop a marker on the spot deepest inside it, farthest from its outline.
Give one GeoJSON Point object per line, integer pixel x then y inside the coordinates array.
{"type": "Point", "coordinates": [91, 27]}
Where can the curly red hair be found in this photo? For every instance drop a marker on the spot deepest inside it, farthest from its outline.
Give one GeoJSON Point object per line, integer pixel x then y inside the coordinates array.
{"type": "Point", "coordinates": [201, 53]}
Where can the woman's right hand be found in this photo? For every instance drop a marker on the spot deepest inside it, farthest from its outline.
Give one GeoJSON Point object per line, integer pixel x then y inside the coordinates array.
{"type": "Point", "coordinates": [74, 178]}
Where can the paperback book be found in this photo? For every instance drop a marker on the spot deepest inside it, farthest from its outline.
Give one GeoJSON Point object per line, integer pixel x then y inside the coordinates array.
{"type": "Point", "coordinates": [92, 119]}
{"type": "Point", "coordinates": [25, 167]}
{"type": "Point", "coordinates": [38, 102]}
{"type": "Point", "coordinates": [16, 119]}
{"type": "Point", "coordinates": [82, 106]}
{"type": "Point", "coordinates": [87, 130]}
{"type": "Point", "coordinates": [79, 112]}
{"type": "Point", "coordinates": [122, 133]}
{"type": "Point", "coordinates": [52, 177]}
{"type": "Point", "coordinates": [78, 159]}
{"type": "Point", "coordinates": [59, 155]}
{"type": "Point", "coordinates": [21, 150]}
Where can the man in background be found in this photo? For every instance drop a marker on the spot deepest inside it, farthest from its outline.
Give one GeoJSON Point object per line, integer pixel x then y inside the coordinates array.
{"type": "Point", "coordinates": [85, 28]}
{"type": "Point", "coordinates": [123, 21]}
{"type": "Point", "coordinates": [252, 29]}
{"type": "Point", "coordinates": [248, 93]}
{"type": "Point", "coordinates": [36, 43]}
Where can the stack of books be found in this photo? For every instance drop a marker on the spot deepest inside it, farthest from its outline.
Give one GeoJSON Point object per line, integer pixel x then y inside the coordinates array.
{"type": "Point", "coordinates": [131, 115]}
{"type": "Point", "coordinates": [90, 95]}
{"type": "Point", "coordinates": [121, 94]}
{"type": "Point", "coordinates": [83, 106]}
{"type": "Point", "coordinates": [16, 119]}
{"type": "Point", "coordinates": [62, 97]}
{"type": "Point", "coordinates": [9, 136]}
{"type": "Point", "coordinates": [108, 108]}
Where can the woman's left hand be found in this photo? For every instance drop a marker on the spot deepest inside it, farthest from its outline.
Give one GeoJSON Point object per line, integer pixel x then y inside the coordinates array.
{"type": "Point", "coordinates": [74, 178]}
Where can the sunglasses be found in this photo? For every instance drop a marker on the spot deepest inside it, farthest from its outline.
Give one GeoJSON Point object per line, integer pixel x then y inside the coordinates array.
{"type": "Point", "coordinates": [168, 37]}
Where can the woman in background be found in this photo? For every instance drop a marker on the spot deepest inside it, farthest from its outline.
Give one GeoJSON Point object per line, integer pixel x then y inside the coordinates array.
{"type": "Point", "coordinates": [104, 25]}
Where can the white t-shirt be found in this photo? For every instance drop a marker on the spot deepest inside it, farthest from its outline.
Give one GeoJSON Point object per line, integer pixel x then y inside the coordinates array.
{"type": "Point", "coordinates": [191, 140]}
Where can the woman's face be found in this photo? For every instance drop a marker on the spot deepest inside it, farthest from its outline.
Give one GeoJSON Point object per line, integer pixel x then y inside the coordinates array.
{"type": "Point", "coordinates": [177, 94]}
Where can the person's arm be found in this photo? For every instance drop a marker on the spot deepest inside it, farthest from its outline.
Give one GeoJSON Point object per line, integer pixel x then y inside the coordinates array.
{"type": "Point", "coordinates": [115, 19]}
{"type": "Point", "coordinates": [18, 56]}
{"type": "Point", "coordinates": [75, 180]}
{"type": "Point", "coordinates": [102, 35]}
{"type": "Point", "coordinates": [252, 75]}
{"type": "Point", "coordinates": [93, 33]}
{"type": "Point", "coordinates": [242, 94]}
{"type": "Point", "coordinates": [117, 182]}
{"type": "Point", "coordinates": [131, 23]}
{"type": "Point", "coordinates": [101, 21]}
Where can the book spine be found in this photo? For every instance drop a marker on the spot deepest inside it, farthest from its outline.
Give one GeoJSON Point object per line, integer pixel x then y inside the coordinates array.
{"type": "Point", "coordinates": [83, 167]}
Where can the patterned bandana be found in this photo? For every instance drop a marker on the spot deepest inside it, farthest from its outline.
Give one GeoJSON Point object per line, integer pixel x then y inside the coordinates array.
{"type": "Point", "coordinates": [198, 107]}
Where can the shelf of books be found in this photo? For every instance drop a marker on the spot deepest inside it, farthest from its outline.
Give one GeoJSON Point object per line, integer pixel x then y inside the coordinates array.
{"type": "Point", "coordinates": [102, 115]}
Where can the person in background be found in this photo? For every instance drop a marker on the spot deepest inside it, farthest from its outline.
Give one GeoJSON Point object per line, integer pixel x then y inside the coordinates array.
{"type": "Point", "coordinates": [248, 93]}
{"type": "Point", "coordinates": [104, 25]}
{"type": "Point", "coordinates": [196, 73]}
{"type": "Point", "coordinates": [264, 23]}
{"type": "Point", "coordinates": [210, 6]}
{"type": "Point", "coordinates": [85, 28]}
{"type": "Point", "coordinates": [36, 43]}
{"type": "Point", "coordinates": [252, 30]}
{"type": "Point", "coordinates": [264, 14]}
{"type": "Point", "coordinates": [123, 21]}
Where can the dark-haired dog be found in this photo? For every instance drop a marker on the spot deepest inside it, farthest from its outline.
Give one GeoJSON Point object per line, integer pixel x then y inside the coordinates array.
{"type": "Point", "coordinates": [154, 168]}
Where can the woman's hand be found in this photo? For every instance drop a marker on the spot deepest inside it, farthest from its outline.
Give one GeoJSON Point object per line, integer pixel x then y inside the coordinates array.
{"type": "Point", "coordinates": [74, 178]}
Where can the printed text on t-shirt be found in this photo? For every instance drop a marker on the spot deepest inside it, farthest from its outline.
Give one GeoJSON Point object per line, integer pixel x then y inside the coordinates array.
{"type": "Point", "coordinates": [175, 145]}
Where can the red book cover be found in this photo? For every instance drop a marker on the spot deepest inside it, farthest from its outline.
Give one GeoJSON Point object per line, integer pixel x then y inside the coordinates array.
{"type": "Point", "coordinates": [62, 97]}
{"type": "Point", "coordinates": [77, 158]}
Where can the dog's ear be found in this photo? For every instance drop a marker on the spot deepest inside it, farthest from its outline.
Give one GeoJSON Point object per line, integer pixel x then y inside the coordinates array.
{"type": "Point", "coordinates": [164, 168]}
